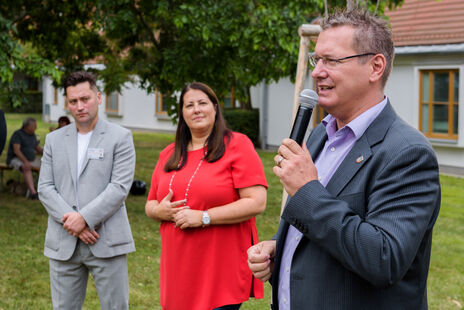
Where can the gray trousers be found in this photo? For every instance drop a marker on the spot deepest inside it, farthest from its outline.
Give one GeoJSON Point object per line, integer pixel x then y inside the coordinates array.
{"type": "Point", "coordinates": [68, 280]}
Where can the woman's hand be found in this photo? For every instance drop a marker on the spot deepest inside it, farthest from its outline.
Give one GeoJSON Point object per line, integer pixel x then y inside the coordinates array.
{"type": "Point", "coordinates": [188, 218]}
{"type": "Point", "coordinates": [164, 210]}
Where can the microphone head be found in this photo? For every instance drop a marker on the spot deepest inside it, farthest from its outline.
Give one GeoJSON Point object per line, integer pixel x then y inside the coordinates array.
{"type": "Point", "coordinates": [308, 98]}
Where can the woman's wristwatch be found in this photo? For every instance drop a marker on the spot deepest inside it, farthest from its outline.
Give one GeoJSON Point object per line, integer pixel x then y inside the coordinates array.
{"type": "Point", "coordinates": [205, 219]}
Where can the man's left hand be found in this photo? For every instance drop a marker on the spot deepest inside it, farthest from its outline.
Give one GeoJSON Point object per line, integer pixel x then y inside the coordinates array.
{"type": "Point", "coordinates": [294, 166]}
{"type": "Point", "coordinates": [74, 223]}
{"type": "Point", "coordinates": [89, 237]}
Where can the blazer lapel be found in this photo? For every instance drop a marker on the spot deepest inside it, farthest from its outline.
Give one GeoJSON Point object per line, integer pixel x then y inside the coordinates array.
{"type": "Point", "coordinates": [361, 151]}
{"type": "Point", "coordinates": [316, 141]}
{"type": "Point", "coordinates": [97, 136]}
{"type": "Point", "coordinates": [354, 160]}
{"type": "Point", "coordinates": [71, 149]}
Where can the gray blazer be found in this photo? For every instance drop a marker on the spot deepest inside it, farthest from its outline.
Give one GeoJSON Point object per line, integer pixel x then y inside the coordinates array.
{"type": "Point", "coordinates": [368, 233]}
{"type": "Point", "coordinates": [103, 185]}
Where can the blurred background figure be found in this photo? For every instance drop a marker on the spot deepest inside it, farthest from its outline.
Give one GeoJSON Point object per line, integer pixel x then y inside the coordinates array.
{"type": "Point", "coordinates": [62, 121]}
{"type": "Point", "coordinates": [22, 153]}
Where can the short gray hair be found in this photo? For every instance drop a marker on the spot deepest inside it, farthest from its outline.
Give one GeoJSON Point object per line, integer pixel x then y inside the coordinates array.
{"type": "Point", "coordinates": [28, 121]}
{"type": "Point", "coordinates": [372, 34]}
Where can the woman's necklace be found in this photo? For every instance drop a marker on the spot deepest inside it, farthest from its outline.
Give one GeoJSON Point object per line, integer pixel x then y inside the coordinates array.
{"type": "Point", "coordinates": [190, 181]}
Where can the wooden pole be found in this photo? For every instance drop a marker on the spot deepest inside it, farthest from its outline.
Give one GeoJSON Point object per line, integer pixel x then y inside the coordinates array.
{"type": "Point", "coordinates": [306, 32]}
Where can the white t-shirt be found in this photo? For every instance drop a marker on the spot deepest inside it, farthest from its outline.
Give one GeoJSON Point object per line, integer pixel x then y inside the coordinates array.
{"type": "Point", "coordinates": [82, 144]}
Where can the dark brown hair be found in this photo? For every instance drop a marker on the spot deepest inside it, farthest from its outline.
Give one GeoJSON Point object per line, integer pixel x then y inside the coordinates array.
{"type": "Point", "coordinates": [80, 77]}
{"type": "Point", "coordinates": [215, 145]}
{"type": "Point", "coordinates": [64, 119]}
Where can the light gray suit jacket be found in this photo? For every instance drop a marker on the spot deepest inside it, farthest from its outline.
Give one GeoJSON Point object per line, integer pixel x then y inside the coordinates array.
{"type": "Point", "coordinates": [102, 186]}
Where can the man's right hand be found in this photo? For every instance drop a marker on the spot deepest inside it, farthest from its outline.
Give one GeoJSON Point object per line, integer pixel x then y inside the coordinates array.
{"type": "Point", "coordinates": [259, 259]}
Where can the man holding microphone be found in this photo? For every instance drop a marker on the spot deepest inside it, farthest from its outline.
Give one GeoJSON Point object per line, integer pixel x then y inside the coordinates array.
{"type": "Point", "coordinates": [364, 191]}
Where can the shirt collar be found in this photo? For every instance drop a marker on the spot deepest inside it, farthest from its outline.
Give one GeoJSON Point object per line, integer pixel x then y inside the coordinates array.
{"type": "Point", "coordinates": [358, 125]}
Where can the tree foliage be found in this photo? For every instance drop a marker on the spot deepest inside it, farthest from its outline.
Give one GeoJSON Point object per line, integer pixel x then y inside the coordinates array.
{"type": "Point", "coordinates": [18, 58]}
{"type": "Point", "coordinates": [165, 44]}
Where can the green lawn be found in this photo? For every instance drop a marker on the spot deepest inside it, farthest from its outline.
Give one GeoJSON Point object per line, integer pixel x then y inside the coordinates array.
{"type": "Point", "coordinates": [24, 279]}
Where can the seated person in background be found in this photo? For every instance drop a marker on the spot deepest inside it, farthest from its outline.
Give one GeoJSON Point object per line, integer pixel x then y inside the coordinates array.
{"type": "Point", "coordinates": [21, 153]}
{"type": "Point", "coordinates": [62, 121]}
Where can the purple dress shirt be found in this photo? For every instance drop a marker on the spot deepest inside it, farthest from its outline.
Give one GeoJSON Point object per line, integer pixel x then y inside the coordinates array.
{"type": "Point", "coordinates": [338, 145]}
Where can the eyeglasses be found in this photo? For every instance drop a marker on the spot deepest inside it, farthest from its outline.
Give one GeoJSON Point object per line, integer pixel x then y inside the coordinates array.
{"type": "Point", "coordinates": [331, 62]}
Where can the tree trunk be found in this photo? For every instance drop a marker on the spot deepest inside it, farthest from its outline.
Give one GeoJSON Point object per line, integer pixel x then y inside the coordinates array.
{"type": "Point", "coordinates": [246, 105]}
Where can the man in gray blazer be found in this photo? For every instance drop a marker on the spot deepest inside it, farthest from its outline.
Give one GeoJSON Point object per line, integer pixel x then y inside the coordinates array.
{"type": "Point", "coordinates": [356, 231]}
{"type": "Point", "coordinates": [86, 174]}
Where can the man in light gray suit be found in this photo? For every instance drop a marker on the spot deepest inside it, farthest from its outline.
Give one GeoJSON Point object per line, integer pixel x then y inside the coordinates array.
{"type": "Point", "coordinates": [364, 192]}
{"type": "Point", "coordinates": [86, 174]}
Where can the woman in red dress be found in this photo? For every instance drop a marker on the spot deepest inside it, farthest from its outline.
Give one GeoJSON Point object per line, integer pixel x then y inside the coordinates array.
{"type": "Point", "coordinates": [206, 190]}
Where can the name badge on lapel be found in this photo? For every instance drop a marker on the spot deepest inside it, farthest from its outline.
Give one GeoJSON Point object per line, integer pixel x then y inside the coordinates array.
{"type": "Point", "coordinates": [94, 153]}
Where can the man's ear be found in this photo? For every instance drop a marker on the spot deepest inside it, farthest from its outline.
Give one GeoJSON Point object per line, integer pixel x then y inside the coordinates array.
{"type": "Point", "coordinates": [378, 64]}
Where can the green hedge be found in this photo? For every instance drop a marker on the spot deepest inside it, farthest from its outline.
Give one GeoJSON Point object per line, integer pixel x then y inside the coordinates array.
{"type": "Point", "coordinates": [31, 103]}
{"type": "Point", "coordinates": [244, 121]}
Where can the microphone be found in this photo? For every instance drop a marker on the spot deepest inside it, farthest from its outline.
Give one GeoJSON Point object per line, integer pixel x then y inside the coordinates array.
{"type": "Point", "coordinates": [308, 100]}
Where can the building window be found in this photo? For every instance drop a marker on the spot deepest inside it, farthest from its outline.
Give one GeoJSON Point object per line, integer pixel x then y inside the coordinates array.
{"type": "Point", "coordinates": [439, 103]}
{"type": "Point", "coordinates": [55, 96]}
{"type": "Point", "coordinates": [112, 102]}
{"type": "Point", "coordinates": [160, 104]}
{"type": "Point", "coordinates": [229, 100]}
{"type": "Point", "coordinates": [32, 83]}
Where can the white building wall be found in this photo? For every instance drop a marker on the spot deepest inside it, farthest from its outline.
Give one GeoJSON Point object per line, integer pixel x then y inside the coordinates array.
{"type": "Point", "coordinates": [400, 89]}
{"type": "Point", "coordinates": [403, 90]}
{"type": "Point", "coordinates": [51, 111]}
{"type": "Point", "coordinates": [256, 94]}
{"type": "Point", "coordinates": [280, 107]}
{"type": "Point", "coordinates": [278, 113]}
{"type": "Point", "coordinates": [451, 157]}
{"type": "Point", "coordinates": [137, 110]}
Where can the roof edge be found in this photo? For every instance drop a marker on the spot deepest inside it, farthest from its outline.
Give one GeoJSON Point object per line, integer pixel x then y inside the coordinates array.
{"type": "Point", "coordinates": [428, 49]}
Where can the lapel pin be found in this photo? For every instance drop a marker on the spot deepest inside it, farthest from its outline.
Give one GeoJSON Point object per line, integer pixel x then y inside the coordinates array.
{"type": "Point", "coordinates": [359, 159]}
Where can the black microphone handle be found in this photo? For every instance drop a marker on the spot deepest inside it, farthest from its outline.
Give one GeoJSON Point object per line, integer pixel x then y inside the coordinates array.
{"type": "Point", "coordinates": [301, 124]}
